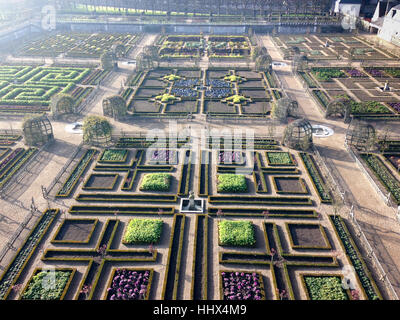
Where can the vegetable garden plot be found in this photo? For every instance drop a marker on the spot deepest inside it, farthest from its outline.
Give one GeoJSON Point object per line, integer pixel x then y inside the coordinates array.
{"type": "Point", "coordinates": [258, 242]}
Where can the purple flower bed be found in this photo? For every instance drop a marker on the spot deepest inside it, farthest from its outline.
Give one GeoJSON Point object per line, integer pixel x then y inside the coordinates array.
{"type": "Point", "coordinates": [395, 106]}
{"type": "Point", "coordinates": [129, 285]}
{"type": "Point", "coordinates": [241, 286]}
{"type": "Point", "coordinates": [9, 158]}
{"type": "Point", "coordinates": [229, 157]}
{"type": "Point", "coordinates": [162, 155]}
{"type": "Point", "coordinates": [376, 73]}
{"type": "Point", "coordinates": [355, 73]}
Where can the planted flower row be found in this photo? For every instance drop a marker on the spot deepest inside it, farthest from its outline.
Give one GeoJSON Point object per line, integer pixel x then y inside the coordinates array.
{"type": "Point", "coordinates": [72, 180]}
{"type": "Point", "coordinates": [23, 255]}
{"type": "Point", "coordinates": [368, 285]}
{"type": "Point", "coordinates": [384, 175]}
{"type": "Point", "coordinates": [316, 178]}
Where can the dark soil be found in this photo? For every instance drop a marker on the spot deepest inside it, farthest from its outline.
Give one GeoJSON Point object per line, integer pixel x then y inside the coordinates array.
{"type": "Point", "coordinates": [289, 185]}
{"type": "Point", "coordinates": [75, 230]}
{"type": "Point", "coordinates": [101, 181]}
{"type": "Point", "coordinates": [307, 235]}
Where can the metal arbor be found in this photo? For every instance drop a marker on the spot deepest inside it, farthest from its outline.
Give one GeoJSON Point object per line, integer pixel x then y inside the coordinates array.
{"type": "Point", "coordinates": [339, 106]}
{"type": "Point", "coordinates": [359, 134]}
{"type": "Point", "coordinates": [114, 107]}
{"type": "Point", "coordinates": [298, 135]}
{"type": "Point", "coordinates": [37, 130]}
{"type": "Point", "coordinates": [96, 131]}
{"type": "Point", "coordinates": [62, 104]}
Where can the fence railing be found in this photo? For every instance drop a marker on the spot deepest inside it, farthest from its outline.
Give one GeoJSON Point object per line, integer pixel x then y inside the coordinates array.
{"type": "Point", "coordinates": [349, 213]}
{"type": "Point", "coordinates": [64, 169]}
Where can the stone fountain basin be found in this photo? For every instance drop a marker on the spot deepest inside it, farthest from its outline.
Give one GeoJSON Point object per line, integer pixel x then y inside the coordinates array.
{"type": "Point", "coordinates": [199, 203]}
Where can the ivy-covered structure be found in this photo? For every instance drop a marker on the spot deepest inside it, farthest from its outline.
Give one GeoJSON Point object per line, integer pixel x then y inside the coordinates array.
{"type": "Point", "coordinates": [62, 104]}
{"type": "Point", "coordinates": [114, 107]}
{"type": "Point", "coordinates": [37, 130]}
{"type": "Point", "coordinates": [107, 60]}
{"type": "Point", "coordinates": [298, 135]}
{"type": "Point", "coordinates": [96, 131]}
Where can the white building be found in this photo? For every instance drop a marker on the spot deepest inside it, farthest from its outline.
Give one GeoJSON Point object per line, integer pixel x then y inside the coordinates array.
{"type": "Point", "coordinates": [348, 7]}
{"type": "Point", "coordinates": [390, 30]}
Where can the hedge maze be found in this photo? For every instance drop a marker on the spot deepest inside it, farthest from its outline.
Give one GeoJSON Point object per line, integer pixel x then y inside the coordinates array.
{"type": "Point", "coordinates": [280, 245]}
{"type": "Point", "coordinates": [27, 89]}
{"type": "Point", "coordinates": [77, 45]}
{"type": "Point", "coordinates": [217, 92]}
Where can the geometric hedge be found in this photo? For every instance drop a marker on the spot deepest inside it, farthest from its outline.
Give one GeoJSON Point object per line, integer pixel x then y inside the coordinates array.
{"type": "Point", "coordinates": [34, 86]}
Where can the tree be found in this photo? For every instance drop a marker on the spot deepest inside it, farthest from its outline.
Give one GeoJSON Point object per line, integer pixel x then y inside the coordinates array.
{"type": "Point", "coordinates": [115, 107]}
{"type": "Point", "coordinates": [263, 62]}
{"type": "Point", "coordinates": [107, 60]}
{"type": "Point", "coordinates": [280, 109]}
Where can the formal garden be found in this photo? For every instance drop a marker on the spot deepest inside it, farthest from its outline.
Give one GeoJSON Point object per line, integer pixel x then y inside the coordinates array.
{"type": "Point", "coordinates": [78, 45]}
{"type": "Point", "coordinates": [330, 47]}
{"type": "Point", "coordinates": [30, 89]}
{"type": "Point", "coordinates": [370, 93]}
{"type": "Point", "coordinates": [228, 48]}
{"type": "Point", "coordinates": [219, 92]}
{"type": "Point", "coordinates": [263, 231]}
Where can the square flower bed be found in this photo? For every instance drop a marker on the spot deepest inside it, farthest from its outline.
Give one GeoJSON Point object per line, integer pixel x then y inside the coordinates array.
{"type": "Point", "coordinates": [242, 286]}
{"type": "Point", "coordinates": [324, 288]}
{"type": "Point", "coordinates": [143, 231]}
{"type": "Point", "coordinates": [231, 183]}
{"type": "Point", "coordinates": [128, 284]}
{"type": "Point", "coordinates": [236, 233]}
{"type": "Point", "coordinates": [47, 286]}
{"type": "Point", "coordinates": [280, 159]}
{"type": "Point", "coordinates": [354, 73]}
{"type": "Point", "coordinates": [156, 182]}
{"type": "Point", "coordinates": [114, 155]}
{"type": "Point", "coordinates": [162, 156]}
{"type": "Point", "coordinates": [230, 157]}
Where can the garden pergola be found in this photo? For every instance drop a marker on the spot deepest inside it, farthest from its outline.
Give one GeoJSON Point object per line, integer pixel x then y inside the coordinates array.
{"type": "Point", "coordinates": [298, 134]}
{"type": "Point", "coordinates": [37, 130]}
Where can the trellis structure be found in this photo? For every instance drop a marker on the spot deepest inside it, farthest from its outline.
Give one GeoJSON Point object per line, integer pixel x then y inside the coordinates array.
{"type": "Point", "coordinates": [298, 135]}
{"type": "Point", "coordinates": [62, 104]}
{"type": "Point", "coordinates": [37, 130]}
{"type": "Point", "coordinates": [359, 134]}
{"type": "Point", "coordinates": [96, 131]}
{"type": "Point", "coordinates": [114, 107]}
{"type": "Point", "coordinates": [339, 106]}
